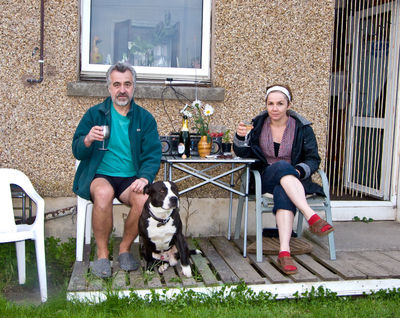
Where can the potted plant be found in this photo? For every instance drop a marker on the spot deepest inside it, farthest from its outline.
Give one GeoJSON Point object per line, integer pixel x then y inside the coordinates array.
{"type": "Point", "coordinates": [201, 115]}
{"type": "Point", "coordinates": [226, 141]}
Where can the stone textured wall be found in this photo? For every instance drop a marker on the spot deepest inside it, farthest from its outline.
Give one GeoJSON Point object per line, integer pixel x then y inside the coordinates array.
{"type": "Point", "coordinates": [256, 43]}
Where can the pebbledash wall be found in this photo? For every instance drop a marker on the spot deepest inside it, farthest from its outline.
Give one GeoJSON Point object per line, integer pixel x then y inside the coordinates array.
{"type": "Point", "coordinates": [254, 43]}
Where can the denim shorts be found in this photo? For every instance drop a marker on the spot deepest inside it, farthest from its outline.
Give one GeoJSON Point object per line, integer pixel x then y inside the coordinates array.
{"type": "Point", "coordinates": [270, 180]}
{"type": "Point", "coordinates": [119, 184]}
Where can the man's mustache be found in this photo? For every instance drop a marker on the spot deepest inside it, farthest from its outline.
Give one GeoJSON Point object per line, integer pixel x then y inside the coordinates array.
{"type": "Point", "coordinates": [122, 95]}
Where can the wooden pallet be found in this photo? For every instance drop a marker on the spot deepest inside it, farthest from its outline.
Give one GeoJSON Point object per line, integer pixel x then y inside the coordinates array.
{"type": "Point", "coordinates": [222, 263]}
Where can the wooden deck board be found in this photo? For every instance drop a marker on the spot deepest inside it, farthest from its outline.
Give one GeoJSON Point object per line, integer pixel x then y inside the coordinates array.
{"type": "Point", "coordinates": [224, 271]}
{"type": "Point", "coordinates": [387, 262]}
{"type": "Point", "coordinates": [322, 272]}
{"type": "Point", "coordinates": [369, 268]}
{"type": "Point", "coordinates": [78, 277]}
{"type": "Point", "coordinates": [203, 267]}
{"type": "Point", "coordinates": [393, 254]}
{"type": "Point", "coordinates": [236, 261]}
{"type": "Point", "coordinates": [270, 272]}
{"type": "Point", "coordinates": [302, 275]}
{"type": "Point", "coordinates": [222, 262]}
{"type": "Point", "coordinates": [171, 279]}
{"type": "Point", "coordinates": [136, 280]}
{"type": "Point", "coordinates": [338, 266]}
{"type": "Point", "coordinates": [119, 281]}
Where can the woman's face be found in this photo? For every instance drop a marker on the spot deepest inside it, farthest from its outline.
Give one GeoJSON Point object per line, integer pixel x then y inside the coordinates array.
{"type": "Point", "coordinates": [277, 106]}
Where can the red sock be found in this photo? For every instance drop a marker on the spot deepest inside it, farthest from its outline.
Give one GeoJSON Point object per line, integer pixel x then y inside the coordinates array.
{"type": "Point", "coordinates": [284, 253]}
{"type": "Point", "coordinates": [314, 219]}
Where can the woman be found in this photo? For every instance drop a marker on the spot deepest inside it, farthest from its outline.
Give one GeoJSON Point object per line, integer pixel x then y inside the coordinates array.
{"type": "Point", "coordinates": [286, 147]}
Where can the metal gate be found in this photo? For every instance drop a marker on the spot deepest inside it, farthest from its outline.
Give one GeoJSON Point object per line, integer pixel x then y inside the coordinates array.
{"type": "Point", "coordinates": [365, 68]}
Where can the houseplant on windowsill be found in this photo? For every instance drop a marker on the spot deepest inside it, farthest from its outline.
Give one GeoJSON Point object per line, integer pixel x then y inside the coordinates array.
{"type": "Point", "coordinates": [201, 115]}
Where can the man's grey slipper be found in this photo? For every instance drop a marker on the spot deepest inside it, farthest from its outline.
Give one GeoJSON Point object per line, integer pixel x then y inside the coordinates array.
{"type": "Point", "coordinates": [127, 262]}
{"type": "Point", "coordinates": [101, 268]}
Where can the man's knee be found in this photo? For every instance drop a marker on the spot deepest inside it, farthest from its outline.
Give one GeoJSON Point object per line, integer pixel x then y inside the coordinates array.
{"type": "Point", "coordinates": [102, 194]}
{"type": "Point", "coordinates": [137, 200]}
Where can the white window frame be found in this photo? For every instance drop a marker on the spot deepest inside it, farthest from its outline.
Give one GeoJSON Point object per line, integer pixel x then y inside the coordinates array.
{"type": "Point", "coordinates": [143, 72]}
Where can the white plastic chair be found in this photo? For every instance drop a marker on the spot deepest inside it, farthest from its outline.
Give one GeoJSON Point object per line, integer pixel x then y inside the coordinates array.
{"type": "Point", "coordinates": [18, 233]}
{"type": "Point", "coordinates": [265, 203]}
{"type": "Point", "coordinates": [84, 222]}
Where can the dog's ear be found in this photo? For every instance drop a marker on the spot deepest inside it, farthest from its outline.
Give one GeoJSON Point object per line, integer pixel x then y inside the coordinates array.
{"type": "Point", "coordinates": [146, 189]}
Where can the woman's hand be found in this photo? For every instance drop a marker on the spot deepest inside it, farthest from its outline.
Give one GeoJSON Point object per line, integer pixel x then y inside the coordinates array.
{"type": "Point", "coordinates": [242, 129]}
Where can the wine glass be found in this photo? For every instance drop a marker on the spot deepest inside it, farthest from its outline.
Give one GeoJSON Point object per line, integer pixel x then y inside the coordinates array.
{"type": "Point", "coordinates": [249, 127]}
{"type": "Point", "coordinates": [106, 134]}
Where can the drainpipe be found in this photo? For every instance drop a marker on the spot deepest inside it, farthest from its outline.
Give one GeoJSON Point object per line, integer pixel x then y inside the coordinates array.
{"type": "Point", "coordinates": [41, 60]}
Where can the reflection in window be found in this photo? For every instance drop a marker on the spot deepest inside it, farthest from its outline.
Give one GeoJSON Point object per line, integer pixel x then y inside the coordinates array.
{"type": "Point", "coordinates": [146, 33]}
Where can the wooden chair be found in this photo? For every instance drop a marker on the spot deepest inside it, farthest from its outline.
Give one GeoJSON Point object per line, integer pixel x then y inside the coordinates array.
{"type": "Point", "coordinates": [264, 204]}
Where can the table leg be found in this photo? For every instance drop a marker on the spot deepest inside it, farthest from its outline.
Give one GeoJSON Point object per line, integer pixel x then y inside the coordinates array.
{"type": "Point", "coordinates": [170, 171]}
{"type": "Point", "coordinates": [230, 204]}
{"type": "Point", "coordinates": [246, 206]}
{"type": "Point", "coordinates": [165, 170]}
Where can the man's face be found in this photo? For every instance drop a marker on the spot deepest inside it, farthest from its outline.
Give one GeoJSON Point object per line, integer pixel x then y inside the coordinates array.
{"type": "Point", "coordinates": [121, 87]}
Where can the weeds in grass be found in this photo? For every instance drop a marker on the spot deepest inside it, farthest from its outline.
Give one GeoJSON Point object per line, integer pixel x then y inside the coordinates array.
{"type": "Point", "coordinates": [60, 257]}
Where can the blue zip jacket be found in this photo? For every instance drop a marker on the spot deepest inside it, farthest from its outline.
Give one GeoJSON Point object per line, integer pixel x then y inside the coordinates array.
{"type": "Point", "coordinates": [144, 140]}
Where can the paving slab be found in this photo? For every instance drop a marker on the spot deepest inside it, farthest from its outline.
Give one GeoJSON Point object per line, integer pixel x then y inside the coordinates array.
{"type": "Point", "coordinates": [361, 236]}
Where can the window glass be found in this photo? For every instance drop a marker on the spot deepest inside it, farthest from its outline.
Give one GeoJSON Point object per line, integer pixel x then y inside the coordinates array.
{"type": "Point", "coordinates": [158, 37]}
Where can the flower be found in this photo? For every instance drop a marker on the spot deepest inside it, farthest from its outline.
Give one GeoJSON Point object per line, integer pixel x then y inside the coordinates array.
{"type": "Point", "coordinates": [201, 115]}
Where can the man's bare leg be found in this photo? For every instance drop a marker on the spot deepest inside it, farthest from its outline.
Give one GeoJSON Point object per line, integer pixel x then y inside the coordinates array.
{"type": "Point", "coordinates": [131, 228]}
{"type": "Point", "coordinates": [102, 219]}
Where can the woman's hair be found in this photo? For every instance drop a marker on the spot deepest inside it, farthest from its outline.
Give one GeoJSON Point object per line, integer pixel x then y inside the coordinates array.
{"type": "Point", "coordinates": [284, 89]}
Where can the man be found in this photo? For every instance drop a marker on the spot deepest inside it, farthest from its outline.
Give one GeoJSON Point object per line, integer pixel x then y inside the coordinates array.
{"type": "Point", "coordinates": [131, 161]}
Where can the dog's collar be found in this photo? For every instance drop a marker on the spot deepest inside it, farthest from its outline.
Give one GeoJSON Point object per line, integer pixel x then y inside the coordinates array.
{"type": "Point", "coordinates": [161, 222]}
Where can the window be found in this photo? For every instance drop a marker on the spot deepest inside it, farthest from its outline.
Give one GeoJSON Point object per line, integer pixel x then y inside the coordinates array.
{"type": "Point", "coordinates": [162, 39]}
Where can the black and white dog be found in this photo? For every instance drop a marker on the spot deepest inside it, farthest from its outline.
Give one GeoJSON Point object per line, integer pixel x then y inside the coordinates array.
{"type": "Point", "coordinates": [160, 228]}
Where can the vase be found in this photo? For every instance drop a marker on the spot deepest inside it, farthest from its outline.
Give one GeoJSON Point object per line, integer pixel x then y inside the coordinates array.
{"type": "Point", "coordinates": [204, 147]}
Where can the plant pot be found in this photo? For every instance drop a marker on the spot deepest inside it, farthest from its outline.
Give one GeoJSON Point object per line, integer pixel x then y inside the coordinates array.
{"type": "Point", "coordinates": [226, 147]}
{"type": "Point", "coordinates": [204, 147]}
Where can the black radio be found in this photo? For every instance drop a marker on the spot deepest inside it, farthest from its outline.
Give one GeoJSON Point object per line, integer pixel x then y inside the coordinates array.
{"type": "Point", "coordinates": [170, 144]}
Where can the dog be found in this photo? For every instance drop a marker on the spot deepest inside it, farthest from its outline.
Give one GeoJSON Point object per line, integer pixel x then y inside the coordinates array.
{"type": "Point", "coordinates": [160, 228]}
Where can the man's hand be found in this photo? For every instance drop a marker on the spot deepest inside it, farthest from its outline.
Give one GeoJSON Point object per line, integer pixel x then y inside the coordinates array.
{"type": "Point", "coordinates": [96, 133]}
{"type": "Point", "coordinates": [138, 185]}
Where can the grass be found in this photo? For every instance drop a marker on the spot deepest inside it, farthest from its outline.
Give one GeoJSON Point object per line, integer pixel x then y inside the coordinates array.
{"type": "Point", "coordinates": [240, 301]}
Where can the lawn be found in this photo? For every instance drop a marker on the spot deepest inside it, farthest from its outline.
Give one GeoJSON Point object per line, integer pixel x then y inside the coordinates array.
{"type": "Point", "coordinates": [240, 302]}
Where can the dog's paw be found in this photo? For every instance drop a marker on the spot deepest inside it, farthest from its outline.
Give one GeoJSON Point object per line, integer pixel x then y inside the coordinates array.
{"type": "Point", "coordinates": [163, 268]}
{"type": "Point", "coordinates": [173, 261]}
{"type": "Point", "coordinates": [187, 271]}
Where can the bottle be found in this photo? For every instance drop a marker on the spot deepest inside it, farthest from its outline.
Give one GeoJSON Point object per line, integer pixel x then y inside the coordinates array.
{"type": "Point", "coordinates": [184, 139]}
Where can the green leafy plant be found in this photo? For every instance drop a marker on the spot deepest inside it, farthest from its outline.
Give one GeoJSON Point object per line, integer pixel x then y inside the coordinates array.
{"type": "Point", "coordinates": [364, 219]}
{"type": "Point", "coordinates": [226, 138]}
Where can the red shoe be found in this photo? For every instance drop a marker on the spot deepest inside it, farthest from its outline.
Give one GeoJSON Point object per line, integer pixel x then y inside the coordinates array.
{"type": "Point", "coordinates": [286, 264]}
{"type": "Point", "coordinates": [321, 228]}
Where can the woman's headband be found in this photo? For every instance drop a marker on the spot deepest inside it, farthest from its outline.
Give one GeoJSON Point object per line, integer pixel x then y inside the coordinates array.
{"type": "Point", "coordinates": [279, 89]}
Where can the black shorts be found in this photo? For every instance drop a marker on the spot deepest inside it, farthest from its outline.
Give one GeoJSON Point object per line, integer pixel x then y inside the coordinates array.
{"type": "Point", "coordinates": [119, 184]}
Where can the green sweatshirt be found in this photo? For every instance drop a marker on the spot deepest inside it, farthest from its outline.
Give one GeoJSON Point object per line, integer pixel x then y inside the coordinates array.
{"type": "Point", "coordinates": [144, 140]}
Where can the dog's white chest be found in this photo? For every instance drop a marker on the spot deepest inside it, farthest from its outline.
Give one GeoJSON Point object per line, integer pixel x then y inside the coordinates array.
{"type": "Point", "coordinates": [161, 235]}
